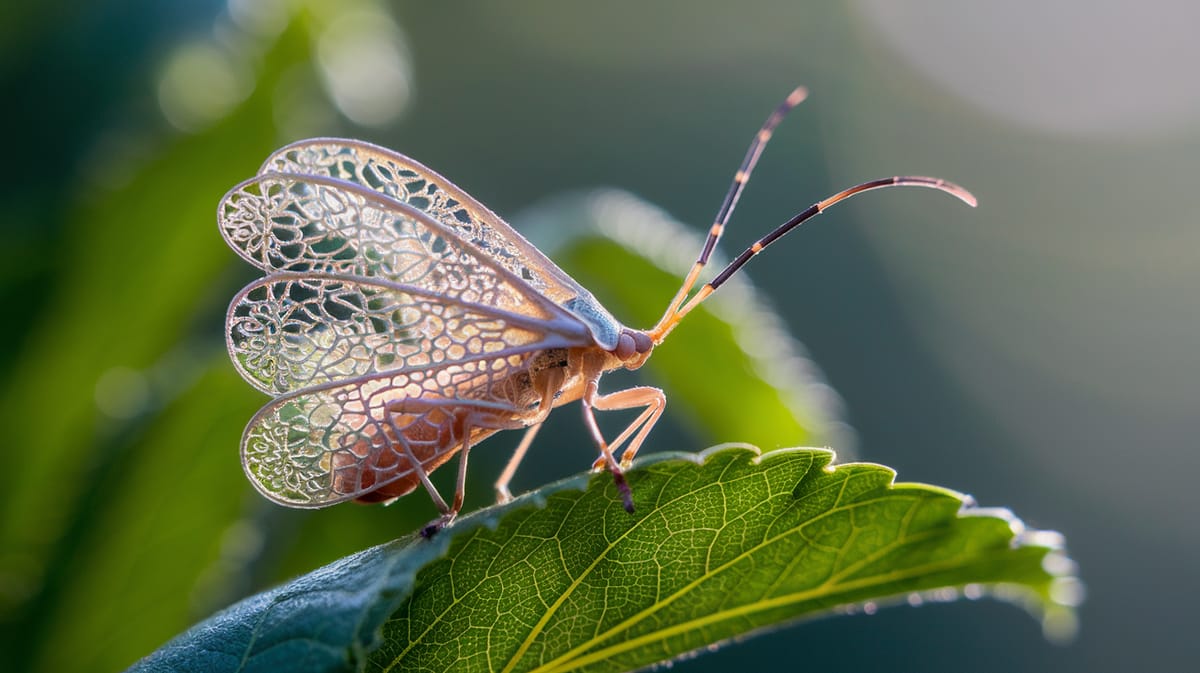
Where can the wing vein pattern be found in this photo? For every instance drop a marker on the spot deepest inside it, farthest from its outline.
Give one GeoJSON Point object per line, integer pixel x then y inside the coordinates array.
{"type": "Point", "coordinates": [397, 317]}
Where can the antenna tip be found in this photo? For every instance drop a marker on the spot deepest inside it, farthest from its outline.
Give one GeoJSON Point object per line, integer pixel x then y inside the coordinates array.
{"type": "Point", "coordinates": [964, 196]}
{"type": "Point", "coordinates": [957, 191]}
{"type": "Point", "coordinates": [797, 96]}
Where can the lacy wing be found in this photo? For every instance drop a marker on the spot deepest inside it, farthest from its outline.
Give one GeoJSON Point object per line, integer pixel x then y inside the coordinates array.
{"type": "Point", "coordinates": [407, 181]}
{"type": "Point", "coordinates": [398, 263]}
{"type": "Point", "coordinates": [292, 331]}
{"type": "Point", "coordinates": [359, 437]}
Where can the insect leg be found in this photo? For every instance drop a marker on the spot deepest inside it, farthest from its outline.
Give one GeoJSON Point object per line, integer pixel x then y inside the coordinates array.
{"type": "Point", "coordinates": [503, 495]}
{"type": "Point", "coordinates": [455, 417]}
{"type": "Point", "coordinates": [654, 402]}
{"type": "Point", "coordinates": [423, 476]}
{"type": "Point", "coordinates": [484, 418]}
{"type": "Point", "coordinates": [550, 381]}
{"type": "Point", "coordinates": [606, 457]}
{"type": "Point", "coordinates": [460, 484]}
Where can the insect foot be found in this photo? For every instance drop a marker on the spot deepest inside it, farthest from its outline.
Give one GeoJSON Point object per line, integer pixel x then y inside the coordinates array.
{"type": "Point", "coordinates": [623, 489]}
{"type": "Point", "coordinates": [434, 527]}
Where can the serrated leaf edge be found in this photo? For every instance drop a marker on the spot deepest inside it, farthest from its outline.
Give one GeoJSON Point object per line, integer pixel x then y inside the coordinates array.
{"type": "Point", "coordinates": [1057, 618]}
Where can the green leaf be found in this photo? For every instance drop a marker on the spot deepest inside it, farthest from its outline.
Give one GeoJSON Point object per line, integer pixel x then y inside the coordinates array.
{"type": "Point", "coordinates": [633, 257]}
{"type": "Point", "coordinates": [136, 262]}
{"type": "Point", "coordinates": [723, 544]}
{"type": "Point", "coordinates": [175, 527]}
{"type": "Point", "coordinates": [323, 621]}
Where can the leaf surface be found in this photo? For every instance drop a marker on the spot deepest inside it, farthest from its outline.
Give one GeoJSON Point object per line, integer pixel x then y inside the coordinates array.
{"type": "Point", "coordinates": [724, 543]}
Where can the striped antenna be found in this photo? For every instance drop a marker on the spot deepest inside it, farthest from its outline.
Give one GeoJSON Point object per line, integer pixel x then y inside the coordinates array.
{"type": "Point", "coordinates": [740, 179]}
{"type": "Point", "coordinates": [678, 308]}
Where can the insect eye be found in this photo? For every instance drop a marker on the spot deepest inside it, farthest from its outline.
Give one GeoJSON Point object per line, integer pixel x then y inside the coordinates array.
{"type": "Point", "coordinates": [626, 346]}
{"type": "Point", "coordinates": [642, 341]}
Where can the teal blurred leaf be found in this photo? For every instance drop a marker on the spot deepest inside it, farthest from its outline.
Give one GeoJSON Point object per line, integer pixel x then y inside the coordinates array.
{"type": "Point", "coordinates": [724, 544]}
{"type": "Point", "coordinates": [324, 621]}
{"type": "Point", "coordinates": [104, 487]}
{"type": "Point", "coordinates": [138, 261]}
{"type": "Point", "coordinates": [166, 546]}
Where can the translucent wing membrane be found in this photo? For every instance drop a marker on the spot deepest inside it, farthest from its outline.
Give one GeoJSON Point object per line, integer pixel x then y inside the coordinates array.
{"type": "Point", "coordinates": [290, 331]}
{"type": "Point", "coordinates": [343, 441]}
{"type": "Point", "coordinates": [312, 223]}
{"type": "Point", "coordinates": [291, 222]}
{"type": "Point", "coordinates": [390, 336]}
{"type": "Point", "coordinates": [409, 182]}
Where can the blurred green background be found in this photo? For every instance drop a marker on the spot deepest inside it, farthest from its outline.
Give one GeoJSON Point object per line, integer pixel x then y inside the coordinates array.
{"type": "Point", "coordinates": [1037, 353]}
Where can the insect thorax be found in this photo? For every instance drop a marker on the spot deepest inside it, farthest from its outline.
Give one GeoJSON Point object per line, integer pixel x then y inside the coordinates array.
{"type": "Point", "coordinates": [551, 358]}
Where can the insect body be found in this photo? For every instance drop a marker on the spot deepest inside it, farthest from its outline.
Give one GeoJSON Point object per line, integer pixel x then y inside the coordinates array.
{"type": "Point", "coordinates": [400, 322]}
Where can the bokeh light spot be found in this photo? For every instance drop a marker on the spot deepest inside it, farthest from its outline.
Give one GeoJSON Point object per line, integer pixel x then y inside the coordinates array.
{"type": "Point", "coordinates": [200, 84]}
{"type": "Point", "coordinates": [365, 67]}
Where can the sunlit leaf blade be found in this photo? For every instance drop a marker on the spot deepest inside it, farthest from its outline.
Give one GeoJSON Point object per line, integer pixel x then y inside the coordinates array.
{"type": "Point", "coordinates": [172, 542]}
{"type": "Point", "coordinates": [723, 544]}
{"type": "Point", "coordinates": [633, 257]}
{"type": "Point", "coordinates": [136, 261]}
{"type": "Point", "coordinates": [720, 547]}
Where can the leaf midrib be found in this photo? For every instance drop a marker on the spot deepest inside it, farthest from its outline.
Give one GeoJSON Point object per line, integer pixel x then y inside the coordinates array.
{"type": "Point", "coordinates": [683, 591]}
{"type": "Point", "coordinates": [538, 628]}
